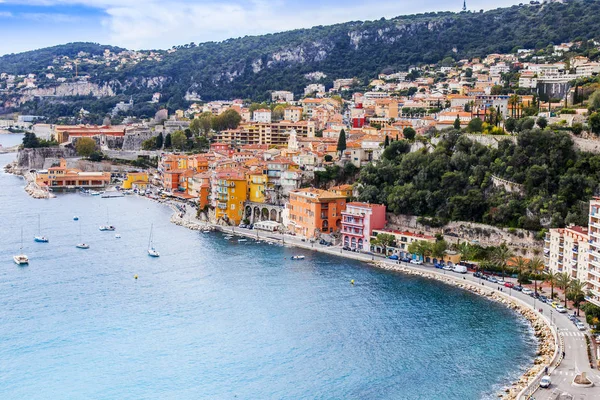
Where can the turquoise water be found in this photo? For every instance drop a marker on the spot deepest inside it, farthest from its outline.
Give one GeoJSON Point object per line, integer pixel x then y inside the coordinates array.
{"type": "Point", "coordinates": [218, 319]}
{"type": "Point", "coordinates": [10, 139]}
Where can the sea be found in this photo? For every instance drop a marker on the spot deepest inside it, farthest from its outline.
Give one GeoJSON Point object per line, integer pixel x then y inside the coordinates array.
{"type": "Point", "coordinates": [214, 318]}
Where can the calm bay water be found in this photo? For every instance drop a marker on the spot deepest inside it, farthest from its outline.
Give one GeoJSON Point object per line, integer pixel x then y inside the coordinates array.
{"type": "Point", "coordinates": [218, 319]}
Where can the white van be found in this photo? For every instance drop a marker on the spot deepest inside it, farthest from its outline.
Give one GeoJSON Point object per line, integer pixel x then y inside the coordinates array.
{"type": "Point", "coordinates": [461, 269]}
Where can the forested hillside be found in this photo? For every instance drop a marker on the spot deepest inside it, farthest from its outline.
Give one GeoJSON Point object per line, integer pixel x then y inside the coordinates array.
{"type": "Point", "coordinates": [454, 182]}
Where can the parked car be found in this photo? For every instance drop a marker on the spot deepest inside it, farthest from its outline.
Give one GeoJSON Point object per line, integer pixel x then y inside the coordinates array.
{"type": "Point", "coordinates": [439, 266]}
{"type": "Point", "coordinates": [405, 259]}
{"type": "Point", "coordinates": [447, 268]}
{"type": "Point", "coordinates": [242, 225]}
{"type": "Point", "coordinates": [518, 288]}
{"type": "Point", "coordinates": [561, 309]}
{"type": "Point", "coordinates": [543, 298]}
{"type": "Point", "coordinates": [500, 281]}
{"type": "Point", "coordinates": [597, 339]}
{"type": "Point", "coordinates": [416, 262]}
{"type": "Point", "coordinates": [392, 257]}
{"type": "Point", "coordinates": [509, 284]}
{"type": "Point", "coordinates": [492, 279]}
{"type": "Point", "coordinates": [461, 269]}
{"type": "Point", "coordinates": [477, 274]}
{"type": "Point", "coordinates": [554, 304]}
{"type": "Point", "coordinates": [545, 382]}
{"type": "Point", "coordinates": [580, 326]}
{"type": "Point", "coordinates": [527, 291]}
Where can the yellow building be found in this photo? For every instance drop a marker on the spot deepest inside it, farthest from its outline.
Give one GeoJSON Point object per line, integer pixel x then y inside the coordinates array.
{"type": "Point", "coordinates": [342, 190]}
{"type": "Point", "coordinates": [257, 186]}
{"type": "Point", "coordinates": [232, 192]}
{"type": "Point", "coordinates": [139, 178]}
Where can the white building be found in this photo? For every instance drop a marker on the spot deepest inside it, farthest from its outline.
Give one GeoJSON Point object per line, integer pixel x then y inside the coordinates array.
{"type": "Point", "coordinates": [262, 115]}
{"type": "Point", "coordinates": [314, 88]}
{"type": "Point", "coordinates": [566, 250]}
{"type": "Point", "coordinates": [593, 279]}
{"type": "Point", "coordinates": [282, 95]}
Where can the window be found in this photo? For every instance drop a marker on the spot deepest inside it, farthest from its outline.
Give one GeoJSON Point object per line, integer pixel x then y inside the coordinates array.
{"type": "Point", "coordinates": [233, 206]}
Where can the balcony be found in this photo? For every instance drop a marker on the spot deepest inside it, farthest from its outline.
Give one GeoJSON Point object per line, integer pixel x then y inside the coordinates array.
{"type": "Point", "coordinates": [353, 222]}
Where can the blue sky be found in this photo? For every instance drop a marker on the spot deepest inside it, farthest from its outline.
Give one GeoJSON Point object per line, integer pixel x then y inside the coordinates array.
{"type": "Point", "coordinates": [151, 24]}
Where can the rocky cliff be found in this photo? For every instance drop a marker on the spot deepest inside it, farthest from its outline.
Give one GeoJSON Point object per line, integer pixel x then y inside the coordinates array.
{"type": "Point", "coordinates": [36, 158]}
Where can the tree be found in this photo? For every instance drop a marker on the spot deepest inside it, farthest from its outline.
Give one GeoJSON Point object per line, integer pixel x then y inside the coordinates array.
{"type": "Point", "coordinates": [594, 101]}
{"type": "Point", "coordinates": [409, 133]}
{"type": "Point", "coordinates": [496, 90]}
{"type": "Point", "coordinates": [475, 125]}
{"type": "Point", "coordinates": [536, 265]}
{"type": "Point", "coordinates": [420, 248]}
{"type": "Point", "coordinates": [577, 128]}
{"type": "Point", "coordinates": [551, 278]}
{"type": "Point", "coordinates": [149, 144]}
{"type": "Point", "coordinates": [510, 124]}
{"type": "Point", "coordinates": [542, 122]}
{"type": "Point", "coordinates": [522, 266]}
{"type": "Point", "coordinates": [159, 141]}
{"type": "Point", "coordinates": [178, 139]}
{"type": "Point", "coordinates": [563, 281]}
{"type": "Point", "coordinates": [328, 158]}
{"type": "Point", "coordinates": [341, 144]}
{"type": "Point", "coordinates": [501, 255]}
{"type": "Point", "coordinates": [30, 141]}
{"type": "Point", "coordinates": [384, 240]}
{"type": "Point", "coordinates": [594, 122]}
{"type": "Point", "coordinates": [278, 112]}
{"type": "Point", "coordinates": [168, 141]}
{"type": "Point", "coordinates": [438, 250]}
{"type": "Point", "coordinates": [230, 119]}
{"type": "Point", "coordinates": [457, 123]}
{"type": "Point", "coordinates": [205, 122]}
{"type": "Point", "coordinates": [577, 293]}
{"type": "Point", "coordinates": [467, 251]}
{"type": "Point", "coordinates": [386, 142]}
{"type": "Point", "coordinates": [85, 146]}
{"type": "Point", "coordinates": [195, 126]}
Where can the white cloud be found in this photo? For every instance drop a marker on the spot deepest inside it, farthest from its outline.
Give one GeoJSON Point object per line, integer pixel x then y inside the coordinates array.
{"type": "Point", "coordinates": [5, 14]}
{"type": "Point", "coordinates": [163, 23]}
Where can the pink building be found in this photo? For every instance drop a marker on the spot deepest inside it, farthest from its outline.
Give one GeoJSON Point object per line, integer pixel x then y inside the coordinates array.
{"type": "Point", "coordinates": [358, 222]}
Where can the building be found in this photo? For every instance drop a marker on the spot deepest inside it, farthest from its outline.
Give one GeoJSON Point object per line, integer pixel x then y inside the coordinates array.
{"type": "Point", "coordinates": [358, 222]}
{"type": "Point", "coordinates": [402, 240]}
{"type": "Point", "coordinates": [135, 180]}
{"type": "Point", "coordinates": [231, 193]}
{"type": "Point", "coordinates": [257, 186]}
{"type": "Point", "coordinates": [260, 133]}
{"type": "Point", "coordinates": [343, 190]}
{"type": "Point", "coordinates": [282, 95]}
{"type": "Point", "coordinates": [293, 114]}
{"type": "Point", "coordinates": [313, 212]}
{"type": "Point", "coordinates": [262, 115]}
{"type": "Point", "coordinates": [593, 278]}
{"type": "Point", "coordinates": [65, 133]}
{"type": "Point", "coordinates": [566, 250]}
{"type": "Point", "coordinates": [62, 177]}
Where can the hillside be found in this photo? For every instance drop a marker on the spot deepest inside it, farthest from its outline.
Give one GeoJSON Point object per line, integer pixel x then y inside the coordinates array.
{"type": "Point", "coordinates": [249, 67]}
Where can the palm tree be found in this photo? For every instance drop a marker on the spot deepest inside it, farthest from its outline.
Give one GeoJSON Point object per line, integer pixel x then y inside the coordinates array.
{"type": "Point", "coordinates": [551, 278]}
{"type": "Point", "coordinates": [513, 101]}
{"type": "Point", "coordinates": [536, 265]}
{"type": "Point", "coordinates": [576, 290]}
{"type": "Point", "coordinates": [563, 281]}
{"type": "Point", "coordinates": [521, 265]}
{"type": "Point", "coordinates": [501, 255]}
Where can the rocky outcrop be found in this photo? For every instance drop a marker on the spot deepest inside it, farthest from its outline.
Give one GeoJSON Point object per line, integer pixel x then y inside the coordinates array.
{"type": "Point", "coordinates": [35, 158]}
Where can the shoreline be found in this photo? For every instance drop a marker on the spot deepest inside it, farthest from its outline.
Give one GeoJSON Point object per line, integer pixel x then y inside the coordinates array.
{"type": "Point", "coordinates": [547, 349]}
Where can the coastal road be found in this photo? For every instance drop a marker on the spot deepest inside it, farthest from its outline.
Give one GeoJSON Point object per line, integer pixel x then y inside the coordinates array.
{"type": "Point", "coordinates": [574, 362]}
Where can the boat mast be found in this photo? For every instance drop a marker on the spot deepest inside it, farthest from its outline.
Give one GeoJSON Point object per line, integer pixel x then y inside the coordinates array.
{"type": "Point", "coordinates": [150, 238]}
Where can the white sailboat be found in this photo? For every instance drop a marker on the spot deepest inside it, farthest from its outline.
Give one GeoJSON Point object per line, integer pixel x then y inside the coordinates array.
{"type": "Point", "coordinates": [107, 227]}
{"type": "Point", "coordinates": [21, 259]}
{"type": "Point", "coordinates": [151, 250]}
{"type": "Point", "coordinates": [81, 245]}
{"type": "Point", "coordinates": [39, 237]}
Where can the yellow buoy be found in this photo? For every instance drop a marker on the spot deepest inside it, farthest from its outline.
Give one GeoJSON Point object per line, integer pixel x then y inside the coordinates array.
{"type": "Point", "coordinates": [352, 282]}
{"type": "Point", "coordinates": [135, 277]}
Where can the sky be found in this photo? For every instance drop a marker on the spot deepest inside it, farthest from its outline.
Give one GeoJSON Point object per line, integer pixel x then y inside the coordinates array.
{"type": "Point", "coordinates": [161, 24]}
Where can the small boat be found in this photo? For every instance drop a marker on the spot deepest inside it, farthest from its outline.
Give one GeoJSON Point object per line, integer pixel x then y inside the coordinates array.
{"type": "Point", "coordinates": [39, 237]}
{"type": "Point", "coordinates": [242, 240]}
{"type": "Point", "coordinates": [118, 236]}
{"type": "Point", "coordinates": [21, 259]}
{"type": "Point", "coordinates": [151, 250]}
{"type": "Point", "coordinates": [227, 237]}
{"type": "Point", "coordinates": [206, 231]}
{"type": "Point", "coordinates": [95, 193]}
{"type": "Point", "coordinates": [76, 218]}
{"type": "Point", "coordinates": [107, 227]}
{"type": "Point", "coordinates": [81, 244]}
{"type": "Point", "coordinates": [297, 257]}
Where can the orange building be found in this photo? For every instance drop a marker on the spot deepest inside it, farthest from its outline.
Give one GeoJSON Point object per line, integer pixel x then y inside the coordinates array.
{"type": "Point", "coordinates": [314, 211]}
{"type": "Point", "coordinates": [63, 133]}
{"type": "Point", "coordinates": [70, 178]}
